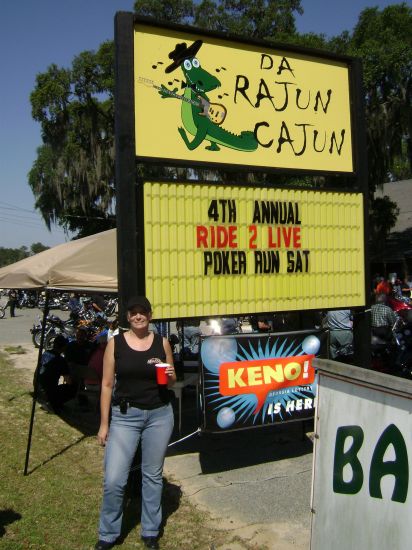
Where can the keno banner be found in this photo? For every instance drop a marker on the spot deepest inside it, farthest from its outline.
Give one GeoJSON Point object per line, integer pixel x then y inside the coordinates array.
{"type": "Point", "coordinates": [208, 100]}
{"type": "Point", "coordinates": [225, 250]}
{"type": "Point", "coordinates": [251, 380]}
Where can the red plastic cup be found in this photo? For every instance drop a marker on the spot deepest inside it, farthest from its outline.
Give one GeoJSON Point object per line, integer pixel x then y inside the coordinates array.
{"type": "Point", "coordinates": [161, 375]}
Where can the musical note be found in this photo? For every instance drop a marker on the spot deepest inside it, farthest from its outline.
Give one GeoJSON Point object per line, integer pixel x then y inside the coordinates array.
{"type": "Point", "coordinates": [174, 80]}
{"type": "Point", "coordinates": [158, 63]}
{"type": "Point", "coordinates": [221, 69]}
{"type": "Point", "coordinates": [221, 96]}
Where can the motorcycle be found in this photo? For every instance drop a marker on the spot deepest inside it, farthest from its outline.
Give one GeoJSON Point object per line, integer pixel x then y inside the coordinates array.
{"type": "Point", "coordinates": [402, 306]}
{"type": "Point", "coordinates": [27, 300]}
{"type": "Point", "coordinates": [64, 302]}
{"type": "Point", "coordinates": [403, 337]}
{"type": "Point", "coordinates": [54, 326]}
{"type": "Point", "coordinates": [393, 355]}
{"type": "Point", "coordinates": [53, 303]}
{"type": "Point", "coordinates": [111, 306]}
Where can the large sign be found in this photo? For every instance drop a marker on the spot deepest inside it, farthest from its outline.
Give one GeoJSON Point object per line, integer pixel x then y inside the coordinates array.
{"type": "Point", "coordinates": [226, 250]}
{"type": "Point", "coordinates": [251, 380]}
{"type": "Point", "coordinates": [361, 496]}
{"type": "Point", "coordinates": [208, 100]}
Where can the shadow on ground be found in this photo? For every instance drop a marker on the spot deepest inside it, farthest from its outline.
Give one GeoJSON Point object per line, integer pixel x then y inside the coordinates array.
{"type": "Point", "coordinates": [238, 449]}
{"type": "Point", "coordinates": [7, 517]}
{"type": "Point", "coordinates": [217, 452]}
{"type": "Point", "coordinates": [85, 419]}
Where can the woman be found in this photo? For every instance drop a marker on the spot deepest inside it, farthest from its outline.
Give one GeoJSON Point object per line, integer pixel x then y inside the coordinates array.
{"type": "Point", "coordinates": [141, 411]}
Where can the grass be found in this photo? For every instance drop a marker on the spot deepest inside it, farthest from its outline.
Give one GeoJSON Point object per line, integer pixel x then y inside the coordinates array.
{"type": "Point", "coordinates": [56, 506]}
{"type": "Point", "coordinates": [15, 350]}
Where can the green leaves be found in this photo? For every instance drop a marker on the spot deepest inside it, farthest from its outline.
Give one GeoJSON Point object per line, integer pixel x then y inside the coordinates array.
{"type": "Point", "coordinates": [51, 94]}
{"type": "Point", "coordinates": [73, 176]}
{"type": "Point", "coordinates": [383, 40]}
{"type": "Point", "coordinates": [249, 18]}
{"type": "Point", "coordinates": [171, 11]}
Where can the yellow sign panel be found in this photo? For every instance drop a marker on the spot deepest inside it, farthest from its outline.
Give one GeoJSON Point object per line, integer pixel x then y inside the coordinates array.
{"type": "Point", "coordinates": [225, 250]}
{"type": "Point", "coordinates": [210, 100]}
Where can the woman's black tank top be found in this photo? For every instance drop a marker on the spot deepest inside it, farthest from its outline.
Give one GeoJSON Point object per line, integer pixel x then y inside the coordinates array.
{"type": "Point", "coordinates": [135, 374]}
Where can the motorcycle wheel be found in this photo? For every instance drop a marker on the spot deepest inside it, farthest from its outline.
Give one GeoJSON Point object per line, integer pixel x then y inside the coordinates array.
{"type": "Point", "coordinates": [49, 341]}
{"type": "Point", "coordinates": [2, 312]}
{"type": "Point", "coordinates": [36, 338]}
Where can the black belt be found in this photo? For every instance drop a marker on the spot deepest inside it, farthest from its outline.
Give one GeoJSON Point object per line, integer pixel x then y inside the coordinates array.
{"type": "Point", "coordinates": [124, 403]}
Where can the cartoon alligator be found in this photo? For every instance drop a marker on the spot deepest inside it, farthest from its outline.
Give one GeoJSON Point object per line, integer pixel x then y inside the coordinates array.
{"type": "Point", "coordinates": [201, 118]}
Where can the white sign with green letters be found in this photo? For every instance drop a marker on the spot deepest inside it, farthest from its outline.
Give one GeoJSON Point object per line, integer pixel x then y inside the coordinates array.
{"type": "Point", "coordinates": [361, 487]}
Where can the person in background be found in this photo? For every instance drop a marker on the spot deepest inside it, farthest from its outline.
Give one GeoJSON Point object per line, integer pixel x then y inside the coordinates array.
{"type": "Point", "coordinates": [229, 325]}
{"type": "Point", "coordinates": [98, 303]}
{"type": "Point", "coordinates": [54, 366]}
{"type": "Point", "coordinates": [74, 303]}
{"type": "Point", "coordinates": [12, 302]}
{"type": "Point", "coordinates": [140, 412]}
{"type": "Point", "coordinates": [383, 318]}
{"type": "Point", "coordinates": [376, 279]}
{"type": "Point", "coordinates": [261, 323]}
{"type": "Point", "coordinates": [79, 350]}
{"type": "Point", "coordinates": [383, 287]}
{"type": "Point", "coordinates": [397, 289]}
{"type": "Point", "coordinates": [407, 286]}
{"type": "Point", "coordinates": [340, 324]}
{"type": "Point", "coordinates": [96, 358]}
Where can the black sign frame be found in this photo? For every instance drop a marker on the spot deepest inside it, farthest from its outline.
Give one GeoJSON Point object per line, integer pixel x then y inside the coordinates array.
{"type": "Point", "coordinates": [130, 221]}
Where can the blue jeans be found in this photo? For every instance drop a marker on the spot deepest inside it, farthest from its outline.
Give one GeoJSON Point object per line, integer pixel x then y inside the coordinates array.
{"type": "Point", "coordinates": [153, 428]}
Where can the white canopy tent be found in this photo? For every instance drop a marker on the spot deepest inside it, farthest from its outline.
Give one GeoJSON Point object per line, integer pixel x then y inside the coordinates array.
{"type": "Point", "coordinates": [87, 264]}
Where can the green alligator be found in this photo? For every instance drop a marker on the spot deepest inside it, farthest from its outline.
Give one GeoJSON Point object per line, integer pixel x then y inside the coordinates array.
{"type": "Point", "coordinates": [201, 118]}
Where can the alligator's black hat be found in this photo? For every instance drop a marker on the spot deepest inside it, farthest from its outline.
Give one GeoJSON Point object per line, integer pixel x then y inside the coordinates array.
{"type": "Point", "coordinates": [182, 52]}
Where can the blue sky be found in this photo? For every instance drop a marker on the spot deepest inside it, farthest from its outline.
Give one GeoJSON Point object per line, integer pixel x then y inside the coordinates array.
{"type": "Point", "coordinates": [36, 34]}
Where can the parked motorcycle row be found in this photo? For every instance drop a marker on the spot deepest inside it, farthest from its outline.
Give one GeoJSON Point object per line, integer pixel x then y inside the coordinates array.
{"type": "Point", "coordinates": [84, 316]}
{"type": "Point", "coordinates": [392, 355]}
{"type": "Point", "coordinates": [57, 300]}
{"type": "Point", "coordinates": [32, 299]}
